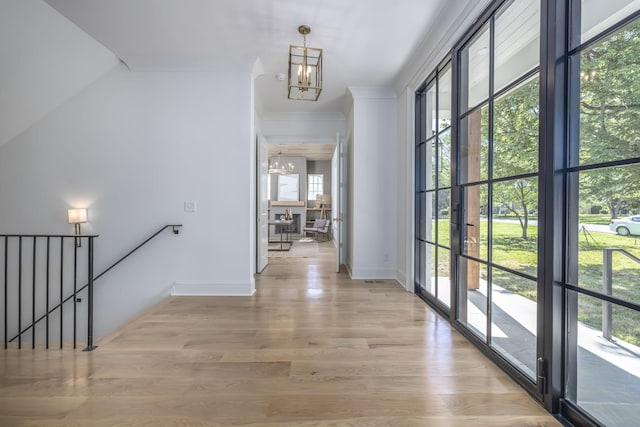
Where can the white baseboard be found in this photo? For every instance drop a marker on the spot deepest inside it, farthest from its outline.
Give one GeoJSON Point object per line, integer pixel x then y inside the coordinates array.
{"type": "Point", "coordinates": [401, 277]}
{"type": "Point", "coordinates": [203, 288]}
{"type": "Point", "coordinates": [372, 273]}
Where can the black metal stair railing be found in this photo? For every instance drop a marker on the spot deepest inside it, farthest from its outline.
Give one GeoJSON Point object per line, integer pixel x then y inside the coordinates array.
{"type": "Point", "coordinates": [42, 257]}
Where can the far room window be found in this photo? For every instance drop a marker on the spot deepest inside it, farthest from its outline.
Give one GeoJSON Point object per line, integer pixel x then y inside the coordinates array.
{"type": "Point", "coordinates": [315, 182]}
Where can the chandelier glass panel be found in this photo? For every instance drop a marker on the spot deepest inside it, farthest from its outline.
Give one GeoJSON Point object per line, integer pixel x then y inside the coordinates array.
{"type": "Point", "coordinates": [305, 69]}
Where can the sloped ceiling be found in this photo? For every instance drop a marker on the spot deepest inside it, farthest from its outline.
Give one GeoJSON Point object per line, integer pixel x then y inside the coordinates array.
{"type": "Point", "coordinates": [52, 49]}
{"type": "Point", "coordinates": [44, 60]}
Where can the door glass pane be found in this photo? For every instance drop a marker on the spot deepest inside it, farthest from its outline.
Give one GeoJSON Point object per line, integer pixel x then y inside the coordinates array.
{"type": "Point", "coordinates": [609, 100]}
{"type": "Point", "coordinates": [444, 159]}
{"type": "Point", "coordinates": [444, 284]}
{"type": "Point", "coordinates": [432, 169]}
{"type": "Point", "coordinates": [514, 236]}
{"type": "Point", "coordinates": [598, 15]}
{"type": "Point", "coordinates": [444, 217]}
{"type": "Point", "coordinates": [607, 372]}
{"type": "Point", "coordinates": [421, 221]}
{"type": "Point", "coordinates": [430, 265]}
{"type": "Point", "coordinates": [514, 319]}
{"type": "Point", "coordinates": [432, 207]}
{"type": "Point", "coordinates": [474, 223]}
{"type": "Point", "coordinates": [475, 65]}
{"type": "Point", "coordinates": [609, 231]}
{"type": "Point", "coordinates": [515, 134]}
{"type": "Point", "coordinates": [474, 132]}
{"type": "Point", "coordinates": [473, 290]}
{"type": "Point", "coordinates": [444, 99]}
{"type": "Point", "coordinates": [419, 268]}
{"type": "Point", "coordinates": [517, 41]}
{"type": "Point", "coordinates": [421, 168]}
{"type": "Point", "coordinates": [431, 110]}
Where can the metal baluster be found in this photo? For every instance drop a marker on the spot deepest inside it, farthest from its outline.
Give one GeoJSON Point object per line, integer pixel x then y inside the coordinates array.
{"type": "Point", "coordinates": [20, 292]}
{"type": "Point", "coordinates": [90, 345]}
{"type": "Point", "coordinates": [33, 296]}
{"type": "Point", "coordinates": [6, 285]}
{"type": "Point", "coordinates": [75, 288]}
{"type": "Point", "coordinates": [61, 283]}
{"type": "Point", "coordinates": [47, 296]}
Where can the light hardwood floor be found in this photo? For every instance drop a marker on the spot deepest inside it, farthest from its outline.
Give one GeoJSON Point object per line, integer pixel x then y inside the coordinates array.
{"type": "Point", "coordinates": [311, 348]}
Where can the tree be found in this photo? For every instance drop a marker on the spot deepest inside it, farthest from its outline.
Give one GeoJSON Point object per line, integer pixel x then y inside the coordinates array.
{"type": "Point", "coordinates": [610, 119]}
{"type": "Point", "coordinates": [515, 151]}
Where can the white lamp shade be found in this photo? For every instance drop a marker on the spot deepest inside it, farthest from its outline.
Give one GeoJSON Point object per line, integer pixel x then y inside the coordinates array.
{"type": "Point", "coordinates": [76, 216]}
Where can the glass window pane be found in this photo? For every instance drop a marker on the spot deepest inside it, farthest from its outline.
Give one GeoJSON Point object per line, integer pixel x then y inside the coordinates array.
{"type": "Point", "coordinates": [598, 15]}
{"type": "Point", "coordinates": [609, 98]}
{"type": "Point", "coordinates": [444, 217]}
{"type": "Point", "coordinates": [474, 223]}
{"type": "Point", "coordinates": [474, 147]}
{"type": "Point", "coordinates": [444, 159]}
{"type": "Point", "coordinates": [444, 284]}
{"type": "Point", "coordinates": [473, 291]}
{"type": "Point", "coordinates": [432, 207]}
{"type": "Point", "coordinates": [475, 67]}
{"type": "Point", "coordinates": [514, 237]}
{"type": "Point", "coordinates": [517, 41]}
{"type": "Point", "coordinates": [611, 395]}
{"type": "Point", "coordinates": [419, 268]}
{"type": "Point", "coordinates": [432, 169]}
{"type": "Point", "coordinates": [315, 186]}
{"type": "Point", "coordinates": [515, 135]}
{"type": "Point", "coordinates": [421, 167]}
{"type": "Point", "coordinates": [429, 284]}
{"type": "Point", "coordinates": [431, 110]}
{"type": "Point", "coordinates": [421, 215]}
{"type": "Point", "coordinates": [444, 99]}
{"type": "Point", "coordinates": [609, 226]}
{"type": "Point", "coordinates": [514, 319]}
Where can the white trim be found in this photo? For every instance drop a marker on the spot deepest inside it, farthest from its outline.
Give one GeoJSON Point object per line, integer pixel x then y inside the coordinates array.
{"type": "Point", "coordinates": [372, 92]}
{"type": "Point", "coordinates": [303, 115]}
{"type": "Point", "coordinates": [410, 188]}
{"type": "Point", "coordinates": [402, 279]}
{"type": "Point", "coordinates": [204, 288]}
{"type": "Point", "coordinates": [373, 273]}
{"type": "Point", "coordinates": [460, 21]}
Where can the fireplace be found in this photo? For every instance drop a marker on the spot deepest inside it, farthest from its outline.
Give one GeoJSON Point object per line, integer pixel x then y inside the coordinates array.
{"type": "Point", "coordinates": [294, 228]}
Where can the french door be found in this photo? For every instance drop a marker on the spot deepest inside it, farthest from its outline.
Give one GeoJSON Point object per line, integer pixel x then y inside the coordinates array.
{"type": "Point", "coordinates": [496, 186]}
{"type": "Point", "coordinates": [433, 189]}
{"type": "Point", "coordinates": [527, 192]}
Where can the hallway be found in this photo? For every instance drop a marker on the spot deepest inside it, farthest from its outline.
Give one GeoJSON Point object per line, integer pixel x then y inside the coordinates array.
{"type": "Point", "coordinates": [311, 348]}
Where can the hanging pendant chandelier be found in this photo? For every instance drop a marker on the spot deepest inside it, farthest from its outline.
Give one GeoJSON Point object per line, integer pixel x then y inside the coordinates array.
{"type": "Point", "coordinates": [278, 167]}
{"type": "Point", "coordinates": [305, 69]}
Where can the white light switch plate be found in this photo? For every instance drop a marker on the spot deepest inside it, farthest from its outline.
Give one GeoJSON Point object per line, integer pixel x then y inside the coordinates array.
{"type": "Point", "coordinates": [189, 206]}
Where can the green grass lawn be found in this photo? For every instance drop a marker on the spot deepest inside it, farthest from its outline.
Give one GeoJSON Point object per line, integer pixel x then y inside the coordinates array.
{"type": "Point", "coordinates": [511, 251]}
{"type": "Point", "coordinates": [594, 219]}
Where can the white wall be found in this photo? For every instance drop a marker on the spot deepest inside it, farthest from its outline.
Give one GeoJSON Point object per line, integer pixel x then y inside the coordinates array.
{"type": "Point", "coordinates": [374, 178]}
{"type": "Point", "coordinates": [349, 217]}
{"type": "Point", "coordinates": [133, 147]}
{"type": "Point", "coordinates": [45, 60]}
{"type": "Point", "coordinates": [405, 189]}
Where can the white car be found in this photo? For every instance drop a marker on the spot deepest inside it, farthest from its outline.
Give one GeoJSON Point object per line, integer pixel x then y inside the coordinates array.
{"type": "Point", "coordinates": [626, 226]}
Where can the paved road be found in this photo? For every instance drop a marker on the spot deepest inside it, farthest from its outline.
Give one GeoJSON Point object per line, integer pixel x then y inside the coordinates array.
{"type": "Point", "coordinates": [593, 228]}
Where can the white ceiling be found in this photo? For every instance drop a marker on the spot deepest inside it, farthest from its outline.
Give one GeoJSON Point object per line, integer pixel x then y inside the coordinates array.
{"type": "Point", "coordinates": [365, 42]}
